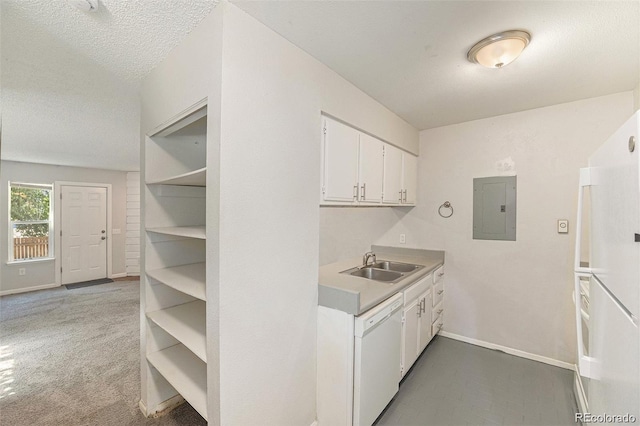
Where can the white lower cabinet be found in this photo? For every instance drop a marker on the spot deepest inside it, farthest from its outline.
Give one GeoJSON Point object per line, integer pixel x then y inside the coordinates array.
{"type": "Point", "coordinates": [421, 316]}
{"type": "Point", "coordinates": [424, 330]}
{"type": "Point", "coordinates": [416, 321]}
{"type": "Point", "coordinates": [437, 301]}
{"type": "Point", "coordinates": [410, 324]}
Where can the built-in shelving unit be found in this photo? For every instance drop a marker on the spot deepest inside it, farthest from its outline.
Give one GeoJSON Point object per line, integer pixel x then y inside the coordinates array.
{"type": "Point", "coordinates": [185, 323]}
{"type": "Point", "coordinates": [181, 231]}
{"type": "Point", "coordinates": [194, 178]}
{"type": "Point", "coordinates": [186, 373]}
{"type": "Point", "coordinates": [175, 279]}
{"type": "Point", "coordinates": [189, 279]}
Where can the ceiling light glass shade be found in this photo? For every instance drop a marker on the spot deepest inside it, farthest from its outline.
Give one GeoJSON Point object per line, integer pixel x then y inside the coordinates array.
{"type": "Point", "coordinates": [499, 49]}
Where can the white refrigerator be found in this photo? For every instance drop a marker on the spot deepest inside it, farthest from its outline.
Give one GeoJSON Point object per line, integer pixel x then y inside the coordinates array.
{"type": "Point", "coordinates": [607, 287]}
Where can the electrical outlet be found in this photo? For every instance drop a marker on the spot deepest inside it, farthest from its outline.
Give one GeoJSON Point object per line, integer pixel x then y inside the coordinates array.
{"type": "Point", "coordinates": [22, 271]}
{"type": "Point", "coordinates": [403, 239]}
{"type": "Point", "coordinates": [563, 226]}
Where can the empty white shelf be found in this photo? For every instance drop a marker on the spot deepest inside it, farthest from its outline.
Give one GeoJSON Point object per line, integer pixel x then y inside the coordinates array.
{"type": "Point", "coordinates": [185, 372]}
{"type": "Point", "coordinates": [194, 178]}
{"type": "Point", "coordinates": [182, 231]}
{"type": "Point", "coordinates": [186, 323]}
{"type": "Point", "coordinates": [189, 279]}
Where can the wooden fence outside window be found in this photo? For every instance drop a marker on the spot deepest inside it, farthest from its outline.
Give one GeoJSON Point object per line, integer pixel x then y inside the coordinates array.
{"type": "Point", "coordinates": [30, 247]}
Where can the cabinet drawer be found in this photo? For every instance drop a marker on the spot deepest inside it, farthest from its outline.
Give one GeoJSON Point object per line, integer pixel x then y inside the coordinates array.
{"type": "Point", "coordinates": [436, 326]}
{"type": "Point", "coordinates": [438, 274]}
{"type": "Point", "coordinates": [438, 292]}
{"type": "Point", "coordinates": [436, 312]}
{"type": "Point", "coordinates": [417, 289]}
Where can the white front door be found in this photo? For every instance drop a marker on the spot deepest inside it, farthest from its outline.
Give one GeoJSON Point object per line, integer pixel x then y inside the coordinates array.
{"type": "Point", "coordinates": [84, 233]}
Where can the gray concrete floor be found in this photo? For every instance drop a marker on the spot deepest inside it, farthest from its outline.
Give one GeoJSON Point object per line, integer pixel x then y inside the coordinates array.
{"type": "Point", "coordinates": [455, 383]}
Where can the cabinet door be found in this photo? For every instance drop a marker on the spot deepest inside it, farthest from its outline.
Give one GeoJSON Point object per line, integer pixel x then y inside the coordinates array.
{"type": "Point", "coordinates": [370, 167]}
{"type": "Point", "coordinates": [340, 167]}
{"type": "Point", "coordinates": [425, 320]}
{"type": "Point", "coordinates": [392, 184]}
{"type": "Point", "coordinates": [410, 335]}
{"type": "Point", "coordinates": [409, 178]}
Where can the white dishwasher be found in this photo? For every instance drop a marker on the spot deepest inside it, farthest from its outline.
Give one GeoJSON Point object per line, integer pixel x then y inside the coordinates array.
{"type": "Point", "coordinates": [377, 359]}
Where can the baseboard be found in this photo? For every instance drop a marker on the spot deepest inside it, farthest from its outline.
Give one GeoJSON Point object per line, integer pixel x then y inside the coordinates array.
{"type": "Point", "coordinates": [165, 406]}
{"type": "Point", "coordinates": [578, 392]}
{"type": "Point", "coordinates": [142, 407]}
{"type": "Point", "coordinates": [510, 351]}
{"type": "Point", "coordinates": [120, 275]}
{"type": "Point", "coordinates": [27, 289]}
{"type": "Point", "coordinates": [133, 274]}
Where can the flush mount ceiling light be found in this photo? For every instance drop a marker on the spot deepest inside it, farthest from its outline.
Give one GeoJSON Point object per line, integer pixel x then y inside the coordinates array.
{"type": "Point", "coordinates": [85, 5]}
{"type": "Point", "coordinates": [500, 49]}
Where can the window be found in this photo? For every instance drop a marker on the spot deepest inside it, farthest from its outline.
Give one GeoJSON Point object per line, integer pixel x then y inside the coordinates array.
{"type": "Point", "coordinates": [30, 222]}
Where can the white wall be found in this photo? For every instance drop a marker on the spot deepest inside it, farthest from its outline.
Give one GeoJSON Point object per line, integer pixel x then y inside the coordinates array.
{"type": "Point", "coordinates": [43, 273]}
{"type": "Point", "coordinates": [636, 97]}
{"type": "Point", "coordinates": [347, 232]}
{"type": "Point", "coordinates": [516, 294]}
{"type": "Point", "coordinates": [273, 96]}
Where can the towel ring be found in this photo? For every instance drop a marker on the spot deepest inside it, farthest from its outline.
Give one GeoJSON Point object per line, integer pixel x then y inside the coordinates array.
{"type": "Point", "coordinates": [446, 205]}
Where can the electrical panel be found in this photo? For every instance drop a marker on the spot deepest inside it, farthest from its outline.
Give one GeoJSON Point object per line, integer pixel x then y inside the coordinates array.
{"type": "Point", "coordinates": [494, 208]}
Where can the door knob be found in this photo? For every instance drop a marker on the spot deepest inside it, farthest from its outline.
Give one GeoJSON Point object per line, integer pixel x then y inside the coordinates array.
{"type": "Point", "coordinates": [103, 238]}
{"type": "Point", "coordinates": [103, 231]}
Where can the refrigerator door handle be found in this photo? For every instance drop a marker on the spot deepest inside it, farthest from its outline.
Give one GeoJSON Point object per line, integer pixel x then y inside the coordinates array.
{"type": "Point", "coordinates": [585, 180]}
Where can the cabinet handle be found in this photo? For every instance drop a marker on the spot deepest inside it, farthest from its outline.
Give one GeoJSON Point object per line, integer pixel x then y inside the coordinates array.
{"type": "Point", "coordinates": [441, 274]}
{"type": "Point", "coordinates": [419, 313]}
{"type": "Point", "coordinates": [439, 311]}
{"type": "Point", "coordinates": [404, 200]}
{"type": "Point", "coordinates": [441, 291]}
{"type": "Point", "coordinates": [400, 192]}
{"type": "Point", "coordinates": [355, 192]}
{"type": "Point", "coordinates": [364, 191]}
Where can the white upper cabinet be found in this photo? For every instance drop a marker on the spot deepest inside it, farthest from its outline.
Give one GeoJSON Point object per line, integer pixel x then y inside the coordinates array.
{"type": "Point", "coordinates": [409, 178]}
{"type": "Point", "coordinates": [370, 169]}
{"type": "Point", "coordinates": [359, 169]}
{"type": "Point", "coordinates": [392, 186]}
{"type": "Point", "coordinates": [340, 162]}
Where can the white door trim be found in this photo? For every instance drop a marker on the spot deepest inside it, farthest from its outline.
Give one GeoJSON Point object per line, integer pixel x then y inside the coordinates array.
{"type": "Point", "coordinates": [57, 208]}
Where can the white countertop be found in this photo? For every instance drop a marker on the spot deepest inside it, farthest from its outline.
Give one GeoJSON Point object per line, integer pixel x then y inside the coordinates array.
{"type": "Point", "coordinates": [355, 295]}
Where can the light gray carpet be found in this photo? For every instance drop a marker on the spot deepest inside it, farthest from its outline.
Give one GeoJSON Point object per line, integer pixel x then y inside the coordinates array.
{"type": "Point", "coordinates": [71, 357]}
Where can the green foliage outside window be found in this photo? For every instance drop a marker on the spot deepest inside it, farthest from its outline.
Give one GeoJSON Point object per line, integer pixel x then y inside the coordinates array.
{"type": "Point", "coordinates": [30, 204]}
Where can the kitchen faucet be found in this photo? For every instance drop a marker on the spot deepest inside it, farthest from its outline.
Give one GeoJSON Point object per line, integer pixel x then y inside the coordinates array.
{"type": "Point", "coordinates": [367, 256]}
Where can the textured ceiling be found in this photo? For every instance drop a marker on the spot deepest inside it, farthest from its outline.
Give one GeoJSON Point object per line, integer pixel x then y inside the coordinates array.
{"type": "Point", "coordinates": [70, 79]}
{"type": "Point", "coordinates": [411, 55]}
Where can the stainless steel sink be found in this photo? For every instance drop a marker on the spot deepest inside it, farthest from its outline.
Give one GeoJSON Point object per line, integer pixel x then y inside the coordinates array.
{"type": "Point", "coordinates": [384, 271]}
{"type": "Point", "coordinates": [394, 266]}
{"type": "Point", "coordinates": [376, 274]}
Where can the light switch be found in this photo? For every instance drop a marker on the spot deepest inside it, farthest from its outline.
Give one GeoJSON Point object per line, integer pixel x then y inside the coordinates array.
{"type": "Point", "coordinates": [403, 239]}
{"type": "Point", "coordinates": [563, 226]}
